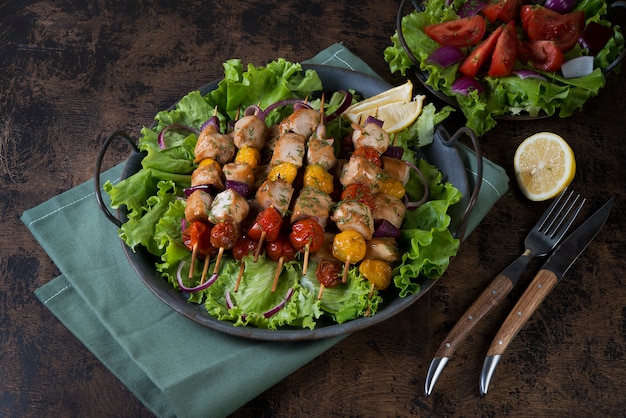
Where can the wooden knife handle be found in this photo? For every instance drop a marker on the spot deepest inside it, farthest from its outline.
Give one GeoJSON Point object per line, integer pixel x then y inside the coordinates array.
{"type": "Point", "coordinates": [539, 288]}
{"type": "Point", "coordinates": [495, 292]}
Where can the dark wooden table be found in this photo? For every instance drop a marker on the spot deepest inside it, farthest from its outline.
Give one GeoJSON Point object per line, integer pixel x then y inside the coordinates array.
{"type": "Point", "coordinates": [73, 71]}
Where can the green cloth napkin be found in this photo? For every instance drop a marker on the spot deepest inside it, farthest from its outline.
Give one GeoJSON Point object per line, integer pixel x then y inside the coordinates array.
{"type": "Point", "coordinates": [174, 366]}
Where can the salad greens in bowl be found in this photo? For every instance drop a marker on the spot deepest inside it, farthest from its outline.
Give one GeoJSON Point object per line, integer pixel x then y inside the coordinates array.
{"type": "Point", "coordinates": [151, 200]}
{"type": "Point", "coordinates": [508, 59]}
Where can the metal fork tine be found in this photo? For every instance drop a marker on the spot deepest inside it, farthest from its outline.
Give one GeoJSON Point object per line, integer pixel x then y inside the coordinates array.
{"type": "Point", "coordinates": [568, 218]}
{"type": "Point", "coordinates": [560, 216]}
{"type": "Point", "coordinates": [548, 213]}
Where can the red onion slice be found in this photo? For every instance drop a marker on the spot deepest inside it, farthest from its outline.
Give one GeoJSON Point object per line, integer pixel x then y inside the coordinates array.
{"type": "Point", "coordinates": [198, 288]}
{"type": "Point", "coordinates": [446, 56]}
{"type": "Point", "coordinates": [463, 85]}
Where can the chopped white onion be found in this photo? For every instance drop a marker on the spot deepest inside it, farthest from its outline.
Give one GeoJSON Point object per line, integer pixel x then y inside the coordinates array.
{"type": "Point", "coordinates": [577, 67]}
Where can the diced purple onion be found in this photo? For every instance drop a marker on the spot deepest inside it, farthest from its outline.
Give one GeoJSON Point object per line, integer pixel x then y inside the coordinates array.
{"type": "Point", "coordinates": [198, 288]}
{"type": "Point", "coordinates": [375, 121]}
{"type": "Point", "coordinates": [464, 84]}
{"type": "Point", "coordinates": [242, 188]}
{"type": "Point", "coordinates": [446, 56]}
{"type": "Point", "coordinates": [523, 74]}
{"type": "Point", "coordinates": [394, 151]}
{"type": "Point", "coordinates": [208, 188]}
{"type": "Point", "coordinates": [385, 228]}
{"type": "Point", "coordinates": [594, 37]}
{"type": "Point", "coordinates": [471, 8]}
{"type": "Point", "coordinates": [560, 6]}
{"type": "Point", "coordinates": [212, 121]}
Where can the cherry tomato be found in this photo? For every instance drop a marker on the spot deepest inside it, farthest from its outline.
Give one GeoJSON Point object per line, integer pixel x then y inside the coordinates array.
{"type": "Point", "coordinates": [280, 248]}
{"type": "Point", "coordinates": [224, 235]}
{"type": "Point", "coordinates": [544, 24]}
{"type": "Point", "coordinates": [460, 32]}
{"type": "Point", "coordinates": [502, 10]}
{"type": "Point", "coordinates": [307, 231]}
{"type": "Point", "coordinates": [542, 55]}
{"type": "Point", "coordinates": [270, 221]}
{"type": "Point", "coordinates": [360, 193]}
{"type": "Point", "coordinates": [349, 245]}
{"type": "Point", "coordinates": [198, 233]}
{"type": "Point", "coordinates": [328, 273]}
{"type": "Point", "coordinates": [244, 246]}
{"type": "Point", "coordinates": [480, 54]}
{"type": "Point", "coordinates": [377, 272]}
{"type": "Point", "coordinates": [505, 53]}
{"type": "Point", "coordinates": [370, 154]}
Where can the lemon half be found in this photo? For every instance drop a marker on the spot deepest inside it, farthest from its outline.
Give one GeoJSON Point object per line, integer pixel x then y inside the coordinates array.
{"type": "Point", "coordinates": [544, 165]}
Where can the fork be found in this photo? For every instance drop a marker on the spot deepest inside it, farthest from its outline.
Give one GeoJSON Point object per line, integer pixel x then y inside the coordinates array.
{"type": "Point", "coordinates": [541, 239]}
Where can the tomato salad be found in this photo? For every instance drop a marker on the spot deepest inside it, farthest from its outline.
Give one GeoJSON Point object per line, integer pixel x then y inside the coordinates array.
{"type": "Point", "coordinates": [227, 212]}
{"type": "Point", "coordinates": [510, 57]}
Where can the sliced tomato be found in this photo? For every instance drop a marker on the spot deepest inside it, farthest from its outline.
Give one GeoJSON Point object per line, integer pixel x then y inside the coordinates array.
{"type": "Point", "coordinates": [524, 14]}
{"type": "Point", "coordinates": [492, 10]}
{"type": "Point", "coordinates": [541, 55]}
{"type": "Point", "coordinates": [467, 31]}
{"type": "Point", "coordinates": [480, 54]}
{"type": "Point", "coordinates": [505, 53]}
{"type": "Point", "coordinates": [509, 11]}
{"type": "Point", "coordinates": [502, 10]}
{"type": "Point", "coordinates": [546, 25]}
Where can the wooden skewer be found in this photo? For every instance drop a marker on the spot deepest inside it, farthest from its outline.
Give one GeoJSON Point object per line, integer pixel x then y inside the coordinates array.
{"type": "Point", "coordinates": [220, 254]}
{"type": "Point", "coordinates": [305, 262]}
{"type": "Point", "coordinates": [279, 269]}
{"type": "Point", "coordinates": [240, 275]}
{"type": "Point", "coordinates": [259, 246]}
{"type": "Point", "coordinates": [319, 294]}
{"type": "Point", "coordinates": [369, 297]}
{"type": "Point", "coordinates": [192, 265]}
{"type": "Point", "coordinates": [346, 266]}
{"type": "Point", "coordinates": [207, 261]}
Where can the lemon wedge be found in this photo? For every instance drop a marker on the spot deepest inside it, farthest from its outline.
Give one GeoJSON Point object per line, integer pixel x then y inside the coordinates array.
{"type": "Point", "coordinates": [395, 107]}
{"type": "Point", "coordinates": [544, 165]}
{"type": "Point", "coordinates": [400, 94]}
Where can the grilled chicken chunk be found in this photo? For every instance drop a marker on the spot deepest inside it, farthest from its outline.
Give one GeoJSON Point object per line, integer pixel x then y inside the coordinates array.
{"type": "Point", "coordinates": [208, 174]}
{"type": "Point", "coordinates": [275, 193]}
{"type": "Point", "coordinates": [351, 215]}
{"type": "Point", "coordinates": [215, 145]}
{"type": "Point", "coordinates": [322, 152]}
{"type": "Point", "coordinates": [360, 170]}
{"type": "Point", "coordinates": [396, 168]}
{"type": "Point", "coordinates": [370, 135]}
{"type": "Point", "coordinates": [289, 149]}
{"type": "Point", "coordinates": [198, 204]}
{"type": "Point", "coordinates": [240, 172]}
{"type": "Point", "coordinates": [302, 121]}
{"type": "Point", "coordinates": [312, 203]}
{"type": "Point", "coordinates": [250, 131]}
{"type": "Point", "coordinates": [387, 207]}
{"type": "Point", "coordinates": [228, 205]}
{"type": "Point", "coordinates": [385, 249]}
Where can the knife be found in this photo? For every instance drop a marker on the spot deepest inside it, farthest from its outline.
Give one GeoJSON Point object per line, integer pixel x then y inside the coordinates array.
{"type": "Point", "coordinates": [546, 279]}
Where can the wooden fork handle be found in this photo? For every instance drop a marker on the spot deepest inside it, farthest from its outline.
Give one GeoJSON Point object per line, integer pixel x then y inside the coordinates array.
{"type": "Point", "coordinates": [539, 288]}
{"type": "Point", "coordinates": [495, 292]}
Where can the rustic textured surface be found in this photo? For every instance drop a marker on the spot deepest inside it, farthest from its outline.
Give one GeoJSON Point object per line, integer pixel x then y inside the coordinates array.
{"type": "Point", "coordinates": [72, 71]}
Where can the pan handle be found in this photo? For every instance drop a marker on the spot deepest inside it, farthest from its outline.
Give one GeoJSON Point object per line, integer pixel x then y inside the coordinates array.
{"type": "Point", "coordinates": [98, 190]}
{"type": "Point", "coordinates": [479, 175]}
